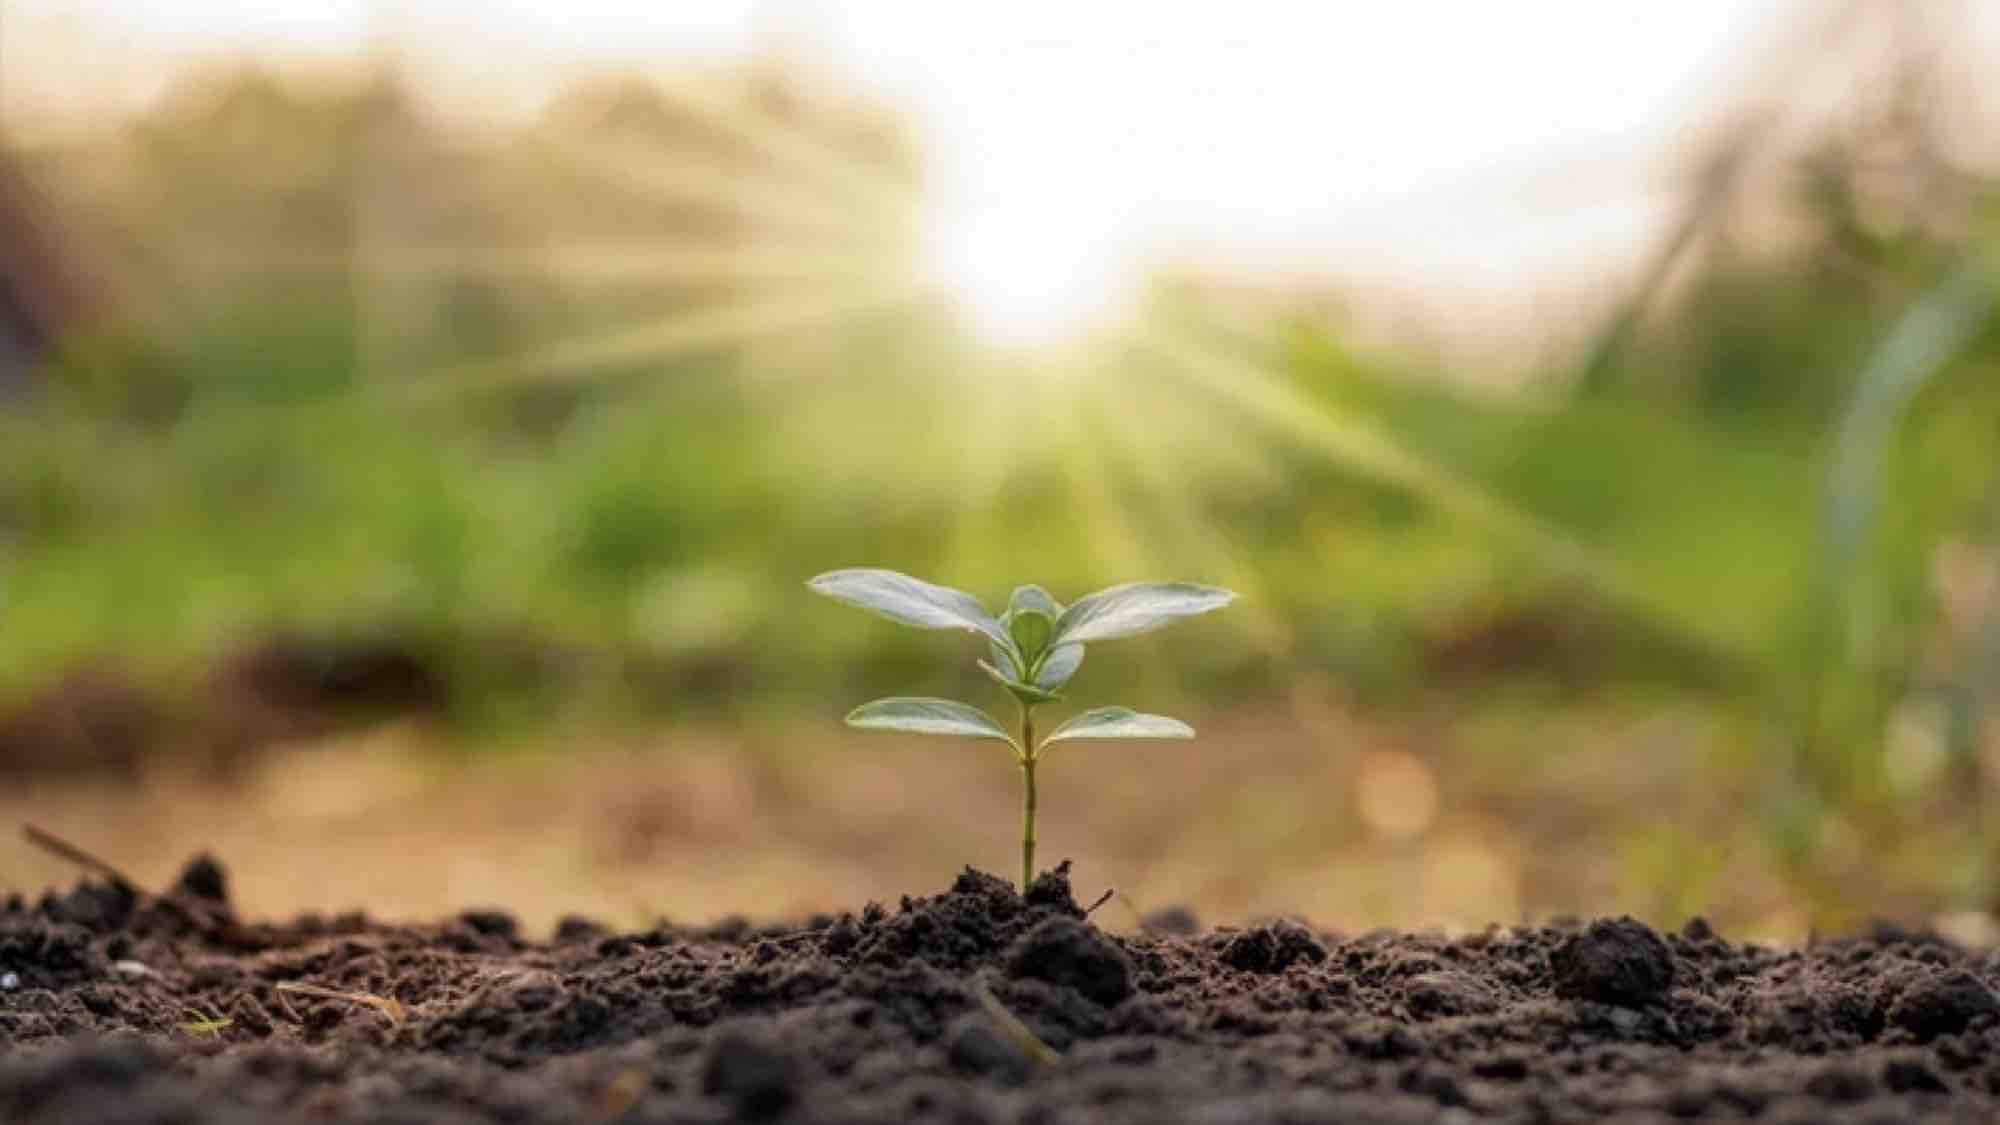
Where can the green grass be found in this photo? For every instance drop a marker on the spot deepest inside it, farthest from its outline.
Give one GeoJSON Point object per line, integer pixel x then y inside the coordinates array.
{"type": "Point", "coordinates": [675, 517]}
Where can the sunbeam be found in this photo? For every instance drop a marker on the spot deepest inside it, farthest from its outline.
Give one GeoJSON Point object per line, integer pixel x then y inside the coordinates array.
{"type": "Point", "coordinates": [679, 335]}
{"type": "Point", "coordinates": [568, 263]}
{"type": "Point", "coordinates": [1115, 542]}
{"type": "Point", "coordinates": [1164, 476]}
{"type": "Point", "coordinates": [987, 455]}
{"type": "Point", "coordinates": [864, 187]}
{"type": "Point", "coordinates": [772, 203]}
{"type": "Point", "coordinates": [1361, 445]}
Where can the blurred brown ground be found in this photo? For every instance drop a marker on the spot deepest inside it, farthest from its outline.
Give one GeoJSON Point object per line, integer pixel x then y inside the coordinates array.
{"type": "Point", "coordinates": [1317, 814]}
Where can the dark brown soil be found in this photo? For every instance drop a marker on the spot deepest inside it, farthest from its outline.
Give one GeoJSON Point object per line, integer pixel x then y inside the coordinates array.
{"type": "Point", "coordinates": [112, 1009]}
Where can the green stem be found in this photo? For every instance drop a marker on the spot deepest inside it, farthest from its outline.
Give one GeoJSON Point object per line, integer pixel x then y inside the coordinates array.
{"type": "Point", "coordinates": [1027, 797]}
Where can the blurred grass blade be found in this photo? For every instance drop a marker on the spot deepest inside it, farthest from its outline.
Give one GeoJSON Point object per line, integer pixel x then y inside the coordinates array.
{"type": "Point", "coordinates": [1922, 344]}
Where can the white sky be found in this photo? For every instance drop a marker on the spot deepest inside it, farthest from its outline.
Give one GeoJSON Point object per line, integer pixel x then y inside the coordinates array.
{"type": "Point", "coordinates": [1460, 143]}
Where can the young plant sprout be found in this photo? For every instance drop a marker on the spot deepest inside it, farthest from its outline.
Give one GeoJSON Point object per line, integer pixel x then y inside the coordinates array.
{"type": "Point", "coordinates": [1036, 646]}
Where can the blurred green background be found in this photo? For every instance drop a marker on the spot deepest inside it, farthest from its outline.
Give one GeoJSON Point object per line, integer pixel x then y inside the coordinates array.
{"type": "Point", "coordinates": [329, 414]}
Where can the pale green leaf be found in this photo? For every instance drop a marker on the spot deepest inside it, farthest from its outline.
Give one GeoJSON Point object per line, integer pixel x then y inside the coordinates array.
{"type": "Point", "coordinates": [928, 716]}
{"type": "Point", "coordinates": [1006, 659]}
{"type": "Point", "coordinates": [1059, 665]}
{"type": "Point", "coordinates": [1138, 607]}
{"type": "Point", "coordinates": [1031, 630]}
{"type": "Point", "coordinates": [1118, 722]}
{"type": "Point", "coordinates": [1025, 599]}
{"type": "Point", "coordinates": [910, 601]}
{"type": "Point", "coordinates": [1035, 598]}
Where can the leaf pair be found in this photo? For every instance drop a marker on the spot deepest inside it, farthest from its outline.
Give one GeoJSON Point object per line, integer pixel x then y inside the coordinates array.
{"type": "Point", "coordinates": [1038, 644]}
{"type": "Point", "coordinates": [1121, 611]}
{"type": "Point", "coordinates": [943, 716]}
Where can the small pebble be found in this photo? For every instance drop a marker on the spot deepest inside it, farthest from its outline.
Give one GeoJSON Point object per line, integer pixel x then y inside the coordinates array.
{"type": "Point", "coordinates": [9, 982]}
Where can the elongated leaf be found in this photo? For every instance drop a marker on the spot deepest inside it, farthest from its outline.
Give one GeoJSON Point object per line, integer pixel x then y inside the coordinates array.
{"type": "Point", "coordinates": [1059, 665]}
{"type": "Point", "coordinates": [911, 601]}
{"type": "Point", "coordinates": [1118, 722]}
{"type": "Point", "coordinates": [927, 716]}
{"type": "Point", "coordinates": [1138, 607]}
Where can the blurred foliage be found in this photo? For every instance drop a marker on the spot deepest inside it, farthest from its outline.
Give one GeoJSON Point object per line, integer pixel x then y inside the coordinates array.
{"type": "Point", "coordinates": [288, 437]}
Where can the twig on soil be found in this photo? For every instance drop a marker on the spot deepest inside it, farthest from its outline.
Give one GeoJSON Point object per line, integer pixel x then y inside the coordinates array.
{"type": "Point", "coordinates": [63, 849]}
{"type": "Point", "coordinates": [1101, 900]}
{"type": "Point", "coordinates": [389, 1006]}
{"type": "Point", "coordinates": [1138, 916]}
{"type": "Point", "coordinates": [1011, 1026]}
{"type": "Point", "coordinates": [198, 917]}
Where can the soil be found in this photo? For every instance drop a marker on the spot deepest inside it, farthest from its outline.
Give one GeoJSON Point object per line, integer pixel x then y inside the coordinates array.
{"type": "Point", "coordinates": [117, 1006]}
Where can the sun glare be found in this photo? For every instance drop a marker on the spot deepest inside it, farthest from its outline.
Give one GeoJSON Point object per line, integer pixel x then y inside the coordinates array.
{"type": "Point", "coordinates": [1024, 281]}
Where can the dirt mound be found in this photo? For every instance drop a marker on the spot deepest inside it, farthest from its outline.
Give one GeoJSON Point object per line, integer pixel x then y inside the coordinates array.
{"type": "Point", "coordinates": [120, 1006]}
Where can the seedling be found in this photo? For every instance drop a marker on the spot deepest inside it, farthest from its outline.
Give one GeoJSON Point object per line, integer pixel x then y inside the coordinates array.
{"type": "Point", "coordinates": [1036, 647]}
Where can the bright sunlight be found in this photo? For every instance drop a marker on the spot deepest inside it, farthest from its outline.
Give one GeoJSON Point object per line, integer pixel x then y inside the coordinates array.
{"type": "Point", "coordinates": [1024, 280]}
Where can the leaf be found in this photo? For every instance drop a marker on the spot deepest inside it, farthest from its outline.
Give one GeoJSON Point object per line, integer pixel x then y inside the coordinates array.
{"type": "Point", "coordinates": [1138, 607]}
{"type": "Point", "coordinates": [1006, 659]}
{"type": "Point", "coordinates": [1025, 599]}
{"type": "Point", "coordinates": [1118, 722]}
{"type": "Point", "coordinates": [1035, 598]}
{"type": "Point", "coordinates": [1031, 630]}
{"type": "Point", "coordinates": [1059, 665]}
{"type": "Point", "coordinates": [910, 601]}
{"type": "Point", "coordinates": [927, 716]}
{"type": "Point", "coordinates": [1026, 693]}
